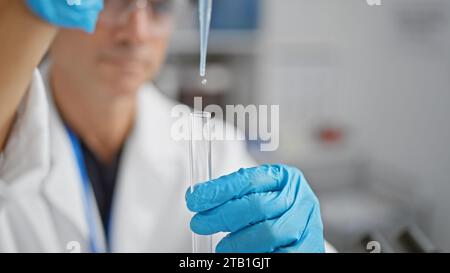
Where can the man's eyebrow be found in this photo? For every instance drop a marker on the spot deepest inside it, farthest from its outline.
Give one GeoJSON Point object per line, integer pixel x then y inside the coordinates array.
{"type": "Point", "coordinates": [162, 3]}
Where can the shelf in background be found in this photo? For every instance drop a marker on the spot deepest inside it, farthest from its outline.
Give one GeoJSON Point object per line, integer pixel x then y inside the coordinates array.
{"type": "Point", "coordinates": [221, 42]}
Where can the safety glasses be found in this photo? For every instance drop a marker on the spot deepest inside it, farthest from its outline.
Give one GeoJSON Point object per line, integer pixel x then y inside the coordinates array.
{"type": "Point", "coordinates": [158, 13]}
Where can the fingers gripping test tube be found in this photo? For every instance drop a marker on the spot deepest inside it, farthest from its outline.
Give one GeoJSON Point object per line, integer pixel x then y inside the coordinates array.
{"type": "Point", "coordinates": [200, 165]}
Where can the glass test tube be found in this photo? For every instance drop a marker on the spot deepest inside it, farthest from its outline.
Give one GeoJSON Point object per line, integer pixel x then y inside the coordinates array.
{"type": "Point", "coordinates": [200, 161]}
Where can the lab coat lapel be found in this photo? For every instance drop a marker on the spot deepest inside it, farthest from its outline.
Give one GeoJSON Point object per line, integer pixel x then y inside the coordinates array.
{"type": "Point", "coordinates": [63, 186]}
{"type": "Point", "coordinates": [150, 177]}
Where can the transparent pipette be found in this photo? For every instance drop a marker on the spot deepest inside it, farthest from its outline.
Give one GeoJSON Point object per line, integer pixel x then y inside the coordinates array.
{"type": "Point", "coordinates": [204, 11]}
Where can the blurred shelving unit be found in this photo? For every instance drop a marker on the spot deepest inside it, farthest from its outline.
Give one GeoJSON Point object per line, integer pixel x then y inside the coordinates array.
{"type": "Point", "coordinates": [229, 43]}
{"type": "Point", "coordinates": [233, 51]}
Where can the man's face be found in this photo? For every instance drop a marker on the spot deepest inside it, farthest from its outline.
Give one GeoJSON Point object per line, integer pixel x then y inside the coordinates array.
{"type": "Point", "coordinates": [126, 50]}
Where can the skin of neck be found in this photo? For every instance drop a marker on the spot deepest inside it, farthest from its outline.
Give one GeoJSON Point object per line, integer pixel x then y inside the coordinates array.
{"type": "Point", "coordinates": [102, 122]}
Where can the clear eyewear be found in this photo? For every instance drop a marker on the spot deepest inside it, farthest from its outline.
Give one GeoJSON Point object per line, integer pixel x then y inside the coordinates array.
{"type": "Point", "coordinates": [158, 12]}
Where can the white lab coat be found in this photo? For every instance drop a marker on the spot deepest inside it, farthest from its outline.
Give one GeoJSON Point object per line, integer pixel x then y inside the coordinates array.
{"type": "Point", "coordinates": [41, 197]}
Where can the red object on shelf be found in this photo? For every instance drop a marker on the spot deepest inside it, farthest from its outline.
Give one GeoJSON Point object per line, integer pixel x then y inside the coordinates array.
{"type": "Point", "coordinates": [330, 135]}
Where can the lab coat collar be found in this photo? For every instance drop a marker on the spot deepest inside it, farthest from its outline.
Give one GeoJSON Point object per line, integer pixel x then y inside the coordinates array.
{"type": "Point", "coordinates": [27, 159]}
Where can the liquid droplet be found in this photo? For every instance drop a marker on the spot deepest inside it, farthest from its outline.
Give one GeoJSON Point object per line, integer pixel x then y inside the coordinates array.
{"type": "Point", "coordinates": [204, 82]}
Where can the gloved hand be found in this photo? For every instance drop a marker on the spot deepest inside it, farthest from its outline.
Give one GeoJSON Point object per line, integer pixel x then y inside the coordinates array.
{"type": "Point", "coordinates": [77, 14]}
{"type": "Point", "coordinates": [270, 208]}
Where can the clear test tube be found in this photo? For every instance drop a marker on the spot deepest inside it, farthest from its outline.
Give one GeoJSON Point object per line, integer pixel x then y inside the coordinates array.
{"type": "Point", "coordinates": [200, 161]}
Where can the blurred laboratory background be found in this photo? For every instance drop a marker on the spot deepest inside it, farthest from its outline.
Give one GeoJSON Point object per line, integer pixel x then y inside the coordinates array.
{"type": "Point", "coordinates": [364, 95]}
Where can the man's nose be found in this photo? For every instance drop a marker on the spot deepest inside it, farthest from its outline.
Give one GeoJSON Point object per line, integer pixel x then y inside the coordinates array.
{"type": "Point", "coordinates": [137, 28]}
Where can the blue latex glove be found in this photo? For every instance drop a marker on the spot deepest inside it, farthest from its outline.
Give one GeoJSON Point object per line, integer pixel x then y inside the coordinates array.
{"type": "Point", "coordinates": [270, 208]}
{"type": "Point", "coordinates": [76, 14]}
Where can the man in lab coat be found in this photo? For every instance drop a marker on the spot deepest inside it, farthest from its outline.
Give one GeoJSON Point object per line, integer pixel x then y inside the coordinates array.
{"type": "Point", "coordinates": [89, 163]}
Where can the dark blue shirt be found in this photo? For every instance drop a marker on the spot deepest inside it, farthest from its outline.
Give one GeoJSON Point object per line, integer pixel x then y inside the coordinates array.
{"type": "Point", "coordinates": [103, 178]}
